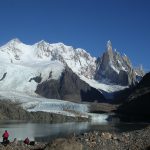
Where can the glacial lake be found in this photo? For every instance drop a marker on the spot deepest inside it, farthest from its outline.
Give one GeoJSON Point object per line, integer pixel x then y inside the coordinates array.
{"type": "Point", "coordinates": [46, 132]}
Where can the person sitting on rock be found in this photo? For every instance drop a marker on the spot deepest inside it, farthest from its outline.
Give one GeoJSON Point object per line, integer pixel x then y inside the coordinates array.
{"type": "Point", "coordinates": [5, 137]}
{"type": "Point", "coordinates": [27, 141]}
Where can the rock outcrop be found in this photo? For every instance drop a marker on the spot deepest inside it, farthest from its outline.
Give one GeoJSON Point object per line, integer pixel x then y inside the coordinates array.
{"type": "Point", "coordinates": [69, 87]}
{"type": "Point", "coordinates": [114, 68]}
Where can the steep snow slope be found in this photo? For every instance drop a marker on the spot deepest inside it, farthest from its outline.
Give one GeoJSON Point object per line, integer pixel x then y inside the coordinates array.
{"type": "Point", "coordinates": [19, 78]}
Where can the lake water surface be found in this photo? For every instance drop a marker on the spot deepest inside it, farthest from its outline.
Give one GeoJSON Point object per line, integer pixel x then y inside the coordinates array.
{"type": "Point", "coordinates": [46, 132]}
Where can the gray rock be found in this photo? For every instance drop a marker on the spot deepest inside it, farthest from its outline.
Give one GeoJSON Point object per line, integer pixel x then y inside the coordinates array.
{"type": "Point", "coordinates": [69, 87]}
{"type": "Point", "coordinates": [114, 68]}
{"type": "Point", "coordinates": [106, 135]}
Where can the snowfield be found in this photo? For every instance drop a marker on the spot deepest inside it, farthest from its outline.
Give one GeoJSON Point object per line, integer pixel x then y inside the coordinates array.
{"type": "Point", "coordinates": [18, 77]}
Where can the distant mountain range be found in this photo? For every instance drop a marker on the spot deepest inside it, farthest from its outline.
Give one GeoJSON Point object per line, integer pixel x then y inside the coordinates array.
{"type": "Point", "coordinates": [63, 72]}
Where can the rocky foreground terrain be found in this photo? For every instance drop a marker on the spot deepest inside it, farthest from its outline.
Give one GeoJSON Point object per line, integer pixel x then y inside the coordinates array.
{"type": "Point", "coordinates": [96, 140]}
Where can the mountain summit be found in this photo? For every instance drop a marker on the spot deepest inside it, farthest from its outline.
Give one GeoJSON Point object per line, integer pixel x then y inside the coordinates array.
{"type": "Point", "coordinates": [115, 68]}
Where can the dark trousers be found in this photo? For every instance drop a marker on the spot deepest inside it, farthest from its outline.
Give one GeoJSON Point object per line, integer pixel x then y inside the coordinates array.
{"type": "Point", "coordinates": [5, 139]}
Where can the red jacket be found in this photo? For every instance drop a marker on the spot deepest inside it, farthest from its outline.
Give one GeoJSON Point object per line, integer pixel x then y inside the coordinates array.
{"type": "Point", "coordinates": [6, 134]}
{"type": "Point", "coordinates": [26, 141]}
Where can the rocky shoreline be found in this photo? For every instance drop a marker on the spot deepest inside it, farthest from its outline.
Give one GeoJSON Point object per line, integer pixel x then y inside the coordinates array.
{"type": "Point", "coordinates": [133, 140]}
{"type": "Point", "coordinates": [95, 140]}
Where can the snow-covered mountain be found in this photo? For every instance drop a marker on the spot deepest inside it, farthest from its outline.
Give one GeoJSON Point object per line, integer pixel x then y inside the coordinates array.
{"type": "Point", "coordinates": [78, 59]}
{"type": "Point", "coordinates": [23, 68]}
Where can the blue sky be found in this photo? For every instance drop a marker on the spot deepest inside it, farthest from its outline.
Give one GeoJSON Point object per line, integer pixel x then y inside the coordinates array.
{"type": "Point", "coordinates": [87, 24]}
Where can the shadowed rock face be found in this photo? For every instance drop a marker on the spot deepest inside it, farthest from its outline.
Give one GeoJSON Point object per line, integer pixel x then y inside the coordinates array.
{"type": "Point", "coordinates": [3, 77]}
{"type": "Point", "coordinates": [145, 82]}
{"type": "Point", "coordinates": [69, 87]}
{"type": "Point", "coordinates": [137, 104]}
{"type": "Point", "coordinates": [37, 79]}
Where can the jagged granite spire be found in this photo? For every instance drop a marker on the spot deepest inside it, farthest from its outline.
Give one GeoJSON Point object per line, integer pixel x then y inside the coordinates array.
{"type": "Point", "coordinates": [109, 45]}
{"type": "Point", "coordinates": [109, 51]}
{"type": "Point", "coordinates": [115, 68]}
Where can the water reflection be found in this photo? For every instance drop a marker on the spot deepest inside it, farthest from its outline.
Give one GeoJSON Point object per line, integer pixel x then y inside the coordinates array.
{"type": "Point", "coordinates": [21, 130]}
{"type": "Point", "coordinates": [46, 132]}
